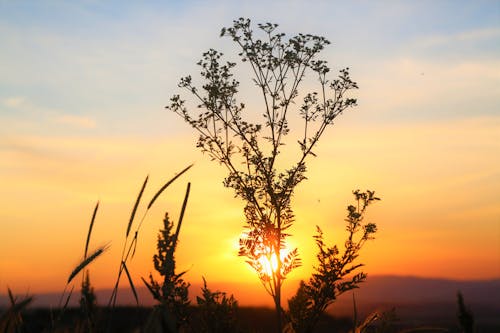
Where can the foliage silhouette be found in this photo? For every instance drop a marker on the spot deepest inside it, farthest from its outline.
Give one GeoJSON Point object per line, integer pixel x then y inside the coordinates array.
{"type": "Point", "coordinates": [129, 246]}
{"type": "Point", "coordinates": [172, 312]}
{"type": "Point", "coordinates": [88, 300]}
{"type": "Point", "coordinates": [465, 316]}
{"type": "Point", "coordinates": [12, 320]}
{"type": "Point", "coordinates": [87, 296]}
{"type": "Point", "coordinates": [217, 311]}
{"type": "Point", "coordinates": [88, 303]}
{"type": "Point", "coordinates": [250, 150]}
{"type": "Point", "coordinates": [334, 273]}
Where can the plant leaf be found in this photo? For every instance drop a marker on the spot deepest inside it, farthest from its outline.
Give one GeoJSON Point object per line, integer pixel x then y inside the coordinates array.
{"type": "Point", "coordinates": [131, 283]}
{"type": "Point", "coordinates": [181, 217]}
{"type": "Point", "coordinates": [150, 288]}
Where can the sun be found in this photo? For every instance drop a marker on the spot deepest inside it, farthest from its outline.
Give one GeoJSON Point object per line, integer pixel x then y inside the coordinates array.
{"type": "Point", "coordinates": [269, 263]}
{"type": "Point", "coordinates": [264, 259]}
{"type": "Point", "coordinates": [268, 260]}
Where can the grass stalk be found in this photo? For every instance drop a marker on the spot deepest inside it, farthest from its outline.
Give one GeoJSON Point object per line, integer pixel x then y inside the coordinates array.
{"type": "Point", "coordinates": [129, 248]}
{"type": "Point", "coordinates": [131, 283]}
{"type": "Point", "coordinates": [166, 185]}
{"type": "Point", "coordinates": [135, 206]}
{"type": "Point", "coordinates": [181, 216]}
{"type": "Point", "coordinates": [86, 261]}
{"type": "Point", "coordinates": [90, 229]}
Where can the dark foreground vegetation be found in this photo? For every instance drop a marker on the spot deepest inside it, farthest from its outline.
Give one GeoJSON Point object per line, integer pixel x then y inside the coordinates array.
{"type": "Point", "coordinates": [130, 319]}
{"type": "Point", "coordinates": [452, 317]}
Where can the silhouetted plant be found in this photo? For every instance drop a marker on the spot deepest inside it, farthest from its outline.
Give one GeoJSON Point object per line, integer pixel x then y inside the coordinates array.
{"type": "Point", "coordinates": [376, 322]}
{"type": "Point", "coordinates": [250, 150]}
{"type": "Point", "coordinates": [465, 315]}
{"type": "Point", "coordinates": [386, 322]}
{"type": "Point", "coordinates": [88, 302]}
{"type": "Point", "coordinates": [172, 293]}
{"type": "Point", "coordinates": [217, 311]}
{"type": "Point", "coordinates": [129, 246]}
{"type": "Point", "coordinates": [88, 299]}
{"type": "Point", "coordinates": [336, 271]}
{"type": "Point", "coordinates": [11, 321]}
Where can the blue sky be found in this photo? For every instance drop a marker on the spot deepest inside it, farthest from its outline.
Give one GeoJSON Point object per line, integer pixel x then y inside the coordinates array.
{"type": "Point", "coordinates": [111, 64]}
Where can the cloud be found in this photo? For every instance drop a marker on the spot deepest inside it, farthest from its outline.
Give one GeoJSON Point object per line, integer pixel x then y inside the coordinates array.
{"type": "Point", "coordinates": [412, 88]}
{"type": "Point", "coordinates": [76, 121]}
{"type": "Point", "coordinates": [13, 102]}
{"type": "Point", "coordinates": [475, 35]}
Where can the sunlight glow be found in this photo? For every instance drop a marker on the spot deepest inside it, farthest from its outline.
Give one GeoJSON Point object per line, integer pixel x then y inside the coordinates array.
{"type": "Point", "coordinates": [269, 260]}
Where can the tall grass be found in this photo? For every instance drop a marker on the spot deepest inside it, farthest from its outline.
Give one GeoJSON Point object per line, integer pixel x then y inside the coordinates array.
{"type": "Point", "coordinates": [129, 247]}
{"type": "Point", "coordinates": [12, 320]}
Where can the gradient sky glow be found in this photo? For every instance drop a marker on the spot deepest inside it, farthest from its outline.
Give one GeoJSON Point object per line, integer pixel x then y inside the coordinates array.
{"type": "Point", "coordinates": [83, 87]}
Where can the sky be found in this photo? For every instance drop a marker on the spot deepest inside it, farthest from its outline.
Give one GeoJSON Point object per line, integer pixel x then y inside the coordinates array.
{"type": "Point", "coordinates": [83, 86]}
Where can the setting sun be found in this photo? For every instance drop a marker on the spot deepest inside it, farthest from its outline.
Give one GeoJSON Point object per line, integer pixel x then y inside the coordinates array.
{"type": "Point", "coordinates": [269, 263]}
{"type": "Point", "coordinates": [268, 260]}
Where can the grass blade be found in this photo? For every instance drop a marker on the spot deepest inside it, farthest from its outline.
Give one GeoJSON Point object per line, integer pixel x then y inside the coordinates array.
{"type": "Point", "coordinates": [114, 294]}
{"type": "Point", "coordinates": [68, 298]}
{"type": "Point", "coordinates": [62, 309]}
{"type": "Point", "coordinates": [133, 245]}
{"type": "Point", "coordinates": [181, 217]}
{"type": "Point", "coordinates": [166, 185]}
{"type": "Point", "coordinates": [151, 290]}
{"type": "Point", "coordinates": [86, 261]}
{"type": "Point", "coordinates": [135, 206]}
{"type": "Point", "coordinates": [368, 321]}
{"type": "Point", "coordinates": [11, 297]}
{"type": "Point", "coordinates": [90, 229]}
{"type": "Point", "coordinates": [20, 306]}
{"type": "Point", "coordinates": [131, 283]}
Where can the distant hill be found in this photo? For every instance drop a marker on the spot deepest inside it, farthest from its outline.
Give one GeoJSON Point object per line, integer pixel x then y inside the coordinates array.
{"type": "Point", "coordinates": [376, 290]}
{"type": "Point", "coordinates": [422, 301]}
{"type": "Point", "coordinates": [399, 289]}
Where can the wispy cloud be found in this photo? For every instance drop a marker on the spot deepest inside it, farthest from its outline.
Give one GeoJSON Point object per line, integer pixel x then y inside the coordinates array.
{"type": "Point", "coordinates": [13, 102]}
{"type": "Point", "coordinates": [412, 88]}
{"type": "Point", "coordinates": [76, 121]}
{"type": "Point", "coordinates": [475, 35]}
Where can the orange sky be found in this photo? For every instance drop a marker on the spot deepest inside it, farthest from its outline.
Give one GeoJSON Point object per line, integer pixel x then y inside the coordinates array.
{"type": "Point", "coordinates": [437, 216]}
{"type": "Point", "coordinates": [84, 121]}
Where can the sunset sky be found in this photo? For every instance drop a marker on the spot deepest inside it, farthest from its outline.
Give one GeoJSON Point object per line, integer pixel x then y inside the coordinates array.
{"type": "Point", "coordinates": [83, 87]}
